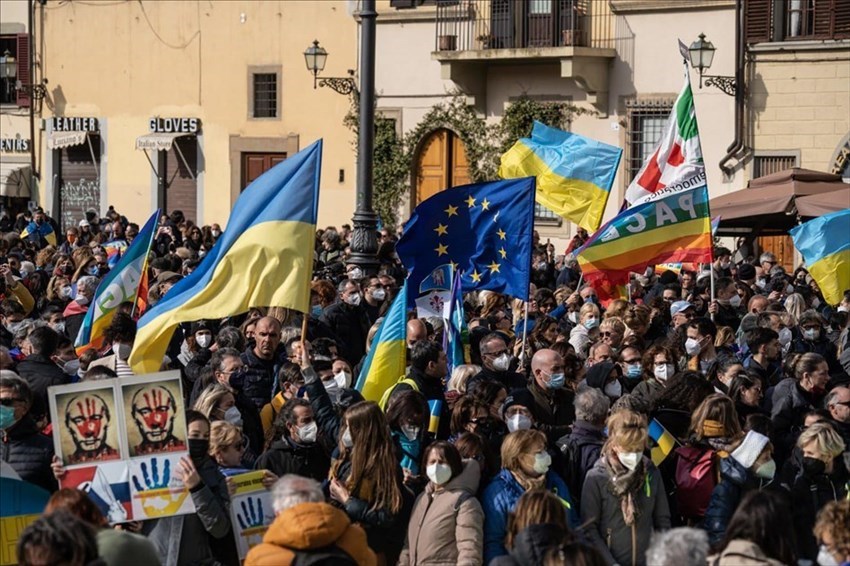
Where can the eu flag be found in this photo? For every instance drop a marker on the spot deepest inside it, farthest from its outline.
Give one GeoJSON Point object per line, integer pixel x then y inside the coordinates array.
{"type": "Point", "coordinates": [482, 230]}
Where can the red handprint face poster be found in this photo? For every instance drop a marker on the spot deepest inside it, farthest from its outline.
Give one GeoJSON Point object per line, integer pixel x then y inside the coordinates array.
{"type": "Point", "coordinates": [86, 424]}
{"type": "Point", "coordinates": [154, 417]}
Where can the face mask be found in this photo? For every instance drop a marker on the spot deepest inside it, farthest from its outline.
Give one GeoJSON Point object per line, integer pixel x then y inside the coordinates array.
{"type": "Point", "coordinates": [355, 273]}
{"type": "Point", "coordinates": [761, 284]}
{"type": "Point", "coordinates": [842, 308]}
{"type": "Point", "coordinates": [65, 292]}
{"type": "Point", "coordinates": [591, 299]}
{"type": "Point", "coordinates": [342, 379]}
{"type": "Point", "coordinates": [347, 441]}
{"type": "Point", "coordinates": [692, 347]}
{"type": "Point", "coordinates": [204, 340]}
{"type": "Point", "coordinates": [233, 416]}
{"type": "Point", "coordinates": [811, 333]}
{"type": "Point", "coordinates": [198, 447]}
{"type": "Point", "coordinates": [410, 432]}
{"type": "Point", "coordinates": [13, 327]}
{"type": "Point", "coordinates": [71, 366]}
{"type": "Point", "coordinates": [316, 311]}
{"type": "Point", "coordinates": [439, 474]}
{"type": "Point", "coordinates": [121, 350]}
{"type": "Point", "coordinates": [92, 270]}
{"type": "Point", "coordinates": [813, 467]}
{"type": "Point", "coordinates": [502, 363]}
{"type": "Point", "coordinates": [216, 233]}
{"type": "Point", "coordinates": [591, 323]}
{"type": "Point", "coordinates": [613, 389]}
{"type": "Point", "coordinates": [789, 289]}
{"type": "Point", "coordinates": [518, 422]}
{"type": "Point", "coordinates": [725, 265]}
{"type": "Point", "coordinates": [663, 371]}
{"type": "Point", "coordinates": [767, 470]}
{"type": "Point", "coordinates": [82, 300]}
{"type": "Point", "coordinates": [735, 301]}
{"type": "Point", "coordinates": [379, 294]}
{"type": "Point", "coordinates": [353, 299]}
{"type": "Point", "coordinates": [634, 371]}
{"type": "Point", "coordinates": [307, 434]}
{"type": "Point", "coordinates": [59, 327]}
{"type": "Point", "coordinates": [556, 381]}
{"type": "Point", "coordinates": [542, 461]}
{"type": "Point", "coordinates": [629, 459]}
{"type": "Point", "coordinates": [785, 336]}
{"type": "Point", "coordinates": [825, 557]}
{"type": "Point", "coordinates": [573, 317]}
{"type": "Point", "coordinates": [7, 417]}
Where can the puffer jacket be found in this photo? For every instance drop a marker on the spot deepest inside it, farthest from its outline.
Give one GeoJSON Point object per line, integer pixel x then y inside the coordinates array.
{"type": "Point", "coordinates": [735, 482]}
{"type": "Point", "coordinates": [603, 518]}
{"type": "Point", "coordinates": [29, 453]}
{"type": "Point", "coordinates": [259, 378]}
{"type": "Point", "coordinates": [742, 553]}
{"type": "Point", "coordinates": [531, 546]}
{"type": "Point", "coordinates": [790, 404]}
{"type": "Point", "coordinates": [185, 539]}
{"type": "Point", "coordinates": [446, 526]}
{"type": "Point", "coordinates": [310, 528]}
{"type": "Point", "coordinates": [286, 457]}
{"type": "Point", "coordinates": [500, 498]}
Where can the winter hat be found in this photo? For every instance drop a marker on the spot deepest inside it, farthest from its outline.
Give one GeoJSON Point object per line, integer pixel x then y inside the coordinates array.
{"type": "Point", "coordinates": [746, 271]}
{"type": "Point", "coordinates": [597, 374]}
{"type": "Point", "coordinates": [521, 397]}
{"type": "Point", "coordinates": [668, 277]}
{"type": "Point", "coordinates": [750, 448]}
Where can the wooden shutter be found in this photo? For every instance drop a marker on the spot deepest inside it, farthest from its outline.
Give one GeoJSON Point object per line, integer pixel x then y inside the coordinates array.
{"type": "Point", "coordinates": [841, 19]}
{"type": "Point", "coordinates": [23, 69]}
{"type": "Point", "coordinates": [757, 19]}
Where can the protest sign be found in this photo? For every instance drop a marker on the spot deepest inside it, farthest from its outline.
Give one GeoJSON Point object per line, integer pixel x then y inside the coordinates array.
{"type": "Point", "coordinates": [21, 504]}
{"type": "Point", "coordinates": [251, 510]}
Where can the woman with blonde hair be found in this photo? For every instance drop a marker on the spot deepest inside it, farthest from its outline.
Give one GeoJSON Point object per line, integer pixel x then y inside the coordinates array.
{"type": "Point", "coordinates": [525, 466]}
{"type": "Point", "coordinates": [227, 447]}
{"type": "Point", "coordinates": [616, 308]}
{"type": "Point", "coordinates": [623, 499]}
{"type": "Point", "coordinates": [833, 530]}
{"type": "Point", "coordinates": [460, 376]}
{"type": "Point", "coordinates": [214, 401]}
{"type": "Point", "coordinates": [586, 331]}
{"type": "Point", "coordinates": [795, 305]}
{"type": "Point", "coordinates": [490, 302]}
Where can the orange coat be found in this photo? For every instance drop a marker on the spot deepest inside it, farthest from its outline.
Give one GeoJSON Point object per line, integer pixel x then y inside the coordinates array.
{"type": "Point", "coordinates": [307, 526]}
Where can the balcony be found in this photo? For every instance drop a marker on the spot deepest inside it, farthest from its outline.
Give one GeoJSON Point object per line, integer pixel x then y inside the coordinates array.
{"type": "Point", "coordinates": [576, 34]}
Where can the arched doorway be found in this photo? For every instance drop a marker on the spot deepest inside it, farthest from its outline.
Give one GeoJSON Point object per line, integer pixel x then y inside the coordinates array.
{"type": "Point", "coordinates": [441, 164]}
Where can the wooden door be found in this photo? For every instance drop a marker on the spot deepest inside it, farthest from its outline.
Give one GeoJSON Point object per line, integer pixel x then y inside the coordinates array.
{"type": "Point", "coordinates": [442, 164]}
{"type": "Point", "coordinates": [255, 164]}
{"type": "Point", "coordinates": [541, 23]}
{"type": "Point", "coordinates": [782, 247]}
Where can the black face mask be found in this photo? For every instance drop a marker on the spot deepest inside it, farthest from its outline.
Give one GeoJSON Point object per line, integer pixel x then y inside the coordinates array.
{"type": "Point", "coordinates": [813, 467]}
{"type": "Point", "coordinates": [198, 447]}
{"type": "Point", "coordinates": [237, 379]}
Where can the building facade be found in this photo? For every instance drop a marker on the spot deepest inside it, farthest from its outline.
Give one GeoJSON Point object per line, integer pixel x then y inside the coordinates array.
{"type": "Point", "coordinates": [180, 105]}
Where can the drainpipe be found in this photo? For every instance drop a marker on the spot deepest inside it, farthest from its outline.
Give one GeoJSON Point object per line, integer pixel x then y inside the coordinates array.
{"type": "Point", "coordinates": [738, 143]}
{"type": "Point", "coordinates": [30, 10]}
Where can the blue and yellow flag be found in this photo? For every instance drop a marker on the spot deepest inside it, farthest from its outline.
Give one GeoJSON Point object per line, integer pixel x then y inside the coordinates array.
{"type": "Point", "coordinates": [574, 173]}
{"type": "Point", "coordinates": [483, 230]}
{"type": "Point", "coordinates": [825, 245]}
{"type": "Point", "coordinates": [456, 334]}
{"type": "Point", "coordinates": [40, 234]}
{"type": "Point", "coordinates": [385, 363]}
{"type": "Point", "coordinates": [663, 442]}
{"type": "Point", "coordinates": [120, 285]}
{"type": "Point", "coordinates": [264, 258]}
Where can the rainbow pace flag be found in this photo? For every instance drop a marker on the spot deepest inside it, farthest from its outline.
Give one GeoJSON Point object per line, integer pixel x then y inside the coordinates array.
{"type": "Point", "coordinates": [676, 165]}
{"type": "Point", "coordinates": [574, 173]}
{"type": "Point", "coordinates": [673, 229]}
{"type": "Point", "coordinates": [386, 361]}
{"type": "Point", "coordinates": [121, 284]}
{"type": "Point", "coordinates": [825, 245]}
{"type": "Point", "coordinates": [264, 258]}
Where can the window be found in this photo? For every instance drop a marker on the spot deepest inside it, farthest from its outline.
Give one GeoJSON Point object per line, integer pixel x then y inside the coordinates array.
{"type": "Point", "coordinates": [646, 126]}
{"type": "Point", "coordinates": [265, 95]}
{"type": "Point", "coordinates": [18, 47]}
{"type": "Point", "coordinates": [768, 164]}
{"type": "Point", "coordinates": [545, 216]}
{"type": "Point", "coordinates": [796, 20]}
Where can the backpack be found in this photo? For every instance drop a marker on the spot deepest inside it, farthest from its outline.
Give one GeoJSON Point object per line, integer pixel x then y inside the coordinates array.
{"type": "Point", "coordinates": [695, 480]}
{"type": "Point", "coordinates": [573, 451]}
{"type": "Point", "coordinates": [385, 398]}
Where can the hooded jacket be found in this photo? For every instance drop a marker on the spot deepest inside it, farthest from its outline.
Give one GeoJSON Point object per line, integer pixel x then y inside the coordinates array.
{"type": "Point", "coordinates": [809, 494]}
{"type": "Point", "coordinates": [531, 546]}
{"type": "Point", "coordinates": [446, 526]}
{"type": "Point", "coordinates": [310, 527]}
{"type": "Point", "coordinates": [735, 482]}
{"type": "Point", "coordinates": [603, 519]}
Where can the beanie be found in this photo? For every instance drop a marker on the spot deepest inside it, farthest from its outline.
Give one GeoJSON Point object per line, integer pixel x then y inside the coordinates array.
{"type": "Point", "coordinates": [750, 448]}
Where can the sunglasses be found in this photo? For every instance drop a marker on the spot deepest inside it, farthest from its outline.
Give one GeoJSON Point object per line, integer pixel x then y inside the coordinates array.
{"type": "Point", "coordinates": [606, 333]}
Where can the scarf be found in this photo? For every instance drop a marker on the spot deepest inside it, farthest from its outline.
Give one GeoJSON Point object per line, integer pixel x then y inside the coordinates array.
{"type": "Point", "coordinates": [624, 483]}
{"type": "Point", "coordinates": [529, 483]}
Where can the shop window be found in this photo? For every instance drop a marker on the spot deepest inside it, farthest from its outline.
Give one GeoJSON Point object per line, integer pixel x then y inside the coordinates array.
{"type": "Point", "coordinates": [646, 126]}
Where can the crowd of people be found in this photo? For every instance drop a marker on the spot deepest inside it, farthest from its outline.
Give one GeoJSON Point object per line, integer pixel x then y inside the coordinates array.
{"type": "Point", "coordinates": [667, 429]}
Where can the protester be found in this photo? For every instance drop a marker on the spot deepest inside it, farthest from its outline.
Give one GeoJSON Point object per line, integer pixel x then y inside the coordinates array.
{"type": "Point", "coordinates": [682, 545]}
{"type": "Point", "coordinates": [295, 448]}
{"type": "Point", "coordinates": [758, 533]}
{"type": "Point", "coordinates": [833, 530]}
{"type": "Point", "coordinates": [537, 525]}
{"type": "Point", "coordinates": [58, 538]}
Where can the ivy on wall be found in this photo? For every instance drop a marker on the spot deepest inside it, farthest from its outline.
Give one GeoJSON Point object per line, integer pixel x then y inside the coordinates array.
{"type": "Point", "coordinates": [394, 159]}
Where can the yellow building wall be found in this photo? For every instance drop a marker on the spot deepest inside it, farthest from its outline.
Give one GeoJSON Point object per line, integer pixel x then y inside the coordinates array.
{"type": "Point", "coordinates": [127, 62]}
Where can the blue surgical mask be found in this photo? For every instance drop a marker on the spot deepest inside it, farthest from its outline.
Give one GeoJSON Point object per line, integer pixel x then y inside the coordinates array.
{"type": "Point", "coordinates": [7, 417]}
{"type": "Point", "coordinates": [591, 323]}
{"type": "Point", "coordinates": [633, 371]}
{"type": "Point", "coordinates": [556, 381]}
{"type": "Point", "coordinates": [316, 310]}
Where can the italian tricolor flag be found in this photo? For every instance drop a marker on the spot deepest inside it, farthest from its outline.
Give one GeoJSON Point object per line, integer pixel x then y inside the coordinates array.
{"type": "Point", "coordinates": [676, 164]}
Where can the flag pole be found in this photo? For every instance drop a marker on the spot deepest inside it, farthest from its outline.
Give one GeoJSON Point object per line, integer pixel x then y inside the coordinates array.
{"type": "Point", "coordinates": [524, 329]}
{"type": "Point", "coordinates": [711, 271]}
{"type": "Point", "coordinates": [145, 264]}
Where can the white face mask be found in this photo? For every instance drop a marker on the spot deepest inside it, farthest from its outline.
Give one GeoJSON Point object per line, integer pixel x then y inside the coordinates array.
{"type": "Point", "coordinates": [811, 333]}
{"type": "Point", "coordinates": [785, 336]}
{"type": "Point", "coordinates": [663, 371]}
{"type": "Point", "coordinates": [121, 350]}
{"type": "Point", "coordinates": [342, 379]}
{"type": "Point", "coordinates": [735, 301]}
{"type": "Point", "coordinates": [542, 461]}
{"type": "Point", "coordinates": [233, 416]}
{"type": "Point", "coordinates": [347, 441]}
{"type": "Point", "coordinates": [692, 346]}
{"type": "Point", "coordinates": [573, 317]}
{"type": "Point", "coordinates": [825, 558]}
{"type": "Point", "coordinates": [767, 470]}
{"type": "Point", "coordinates": [307, 433]}
{"type": "Point", "coordinates": [410, 432]}
{"type": "Point", "coordinates": [65, 292]}
{"type": "Point", "coordinates": [629, 459]}
{"type": "Point", "coordinates": [82, 300]}
{"type": "Point", "coordinates": [502, 363]}
{"type": "Point", "coordinates": [439, 474]}
{"type": "Point", "coordinates": [353, 299]}
{"type": "Point", "coordinates": [815, 302]}
{"type": "Point", "coordinates": [379, 294]}
{"type": "Point", "coordinates": [355, 273]}
{"type": "Point", "coordinates": [613, 389]}
{"type": "Point", "coordinates": [71, 366]}
{"type": "Point", "coordinates": [204, 340]}
{"type": "Point", "coordinates": [518, 422]}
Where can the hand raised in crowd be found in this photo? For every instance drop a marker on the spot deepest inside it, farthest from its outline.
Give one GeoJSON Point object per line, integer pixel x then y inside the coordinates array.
{"type": "Point", "coordinates": [6, 272]}
{"type": "Point", "coordinates": [59, 470]}
{"type": "Point", "coordinates": [187, 473]}
{"type": "Point", "coordinates": [269, 479]}
{"type": "Point", "coordinates": [305, 354]}
{"type": "Point", "coordinates": [713, 307]}
{"type": "Point", "coordinates": [339, 492]}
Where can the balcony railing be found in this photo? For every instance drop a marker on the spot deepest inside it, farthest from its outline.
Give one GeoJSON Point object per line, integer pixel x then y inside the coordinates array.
{"type": "Point", "coordinates": [467, 25]}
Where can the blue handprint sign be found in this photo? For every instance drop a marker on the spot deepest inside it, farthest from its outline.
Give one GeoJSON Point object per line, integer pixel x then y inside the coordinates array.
{"type": "Point", "coordinates": [156, 492]}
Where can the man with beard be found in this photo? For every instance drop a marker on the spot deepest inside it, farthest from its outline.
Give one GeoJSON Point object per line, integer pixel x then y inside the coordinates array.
{"type": "Point", "coordinates": [153, 411]}
{"type": "Point", "coordinates": [87, 419]}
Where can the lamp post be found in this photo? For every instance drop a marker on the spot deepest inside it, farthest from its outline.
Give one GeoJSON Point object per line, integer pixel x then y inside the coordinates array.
{"type": "Point", "coordinates": [701, 54]}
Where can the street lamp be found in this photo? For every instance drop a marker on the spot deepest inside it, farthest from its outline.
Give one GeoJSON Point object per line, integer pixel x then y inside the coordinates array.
{"type": "Point", "coordinates": [701, 54]}
{"type": "Point", "coordinates": [315, 57]}
{"type": "Point", "coordinates": [8, 66]}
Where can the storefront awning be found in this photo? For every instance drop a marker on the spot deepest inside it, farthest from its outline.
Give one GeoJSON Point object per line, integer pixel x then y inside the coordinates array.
{"type": "Point", "coordinates": [15, 180]}
{"type": "Point", "coordinates": [58, 140]}
{"type": "Point", "coordinates": [157, 142]}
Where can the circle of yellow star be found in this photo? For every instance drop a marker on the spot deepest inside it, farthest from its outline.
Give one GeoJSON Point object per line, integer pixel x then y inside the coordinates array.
{"type": "Point", "coordinates": [441, 249]}
{"type": "Point", "coordinates": [503, 252]}
{"type": "Point", "coordinates": [451, 211]}
{"type": "Point", "coordinates": [485, 204]}
{"type": "Point", "coordinates": [494, 267]}
{"type": "Point", "coordinates": [475, 276]}
{"type": "Point", "coordinates": [441, 229]}
{"type": "Point", "coordinates": [470, 201]}
{"type": "Point", "coordinates": [502, 234]}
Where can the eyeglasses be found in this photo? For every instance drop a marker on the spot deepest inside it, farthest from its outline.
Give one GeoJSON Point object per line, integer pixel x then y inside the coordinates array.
{"type": "Point", "coordinates": [606, 334]}
{"type": "Point", "coordinates": [496, 354]}
{"type": "Point", "coordinates": [9, 401]}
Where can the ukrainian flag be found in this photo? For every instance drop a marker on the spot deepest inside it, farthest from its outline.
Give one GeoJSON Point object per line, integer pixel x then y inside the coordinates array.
{"type": "Point", "coordinates": [574, 173]}
{"type": "Point", "coordinates": [38, 232]}
{"type": "Point", "coordinates": [663, 442]}
{"type": "Point", "coordinates": [385, 363]}
{"type": "Point", "coordinates": [264, 258]}
{"type": "Point", "coordinates": [825, 245]}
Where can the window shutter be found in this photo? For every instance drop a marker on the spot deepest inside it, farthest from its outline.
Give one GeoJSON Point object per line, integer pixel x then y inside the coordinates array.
{"type": "Point", "coordinates": [23, 69]}
{"type": "Point", "coordinates": [841, 17]}
{"type": "Point", "coordinates": [757, 20]}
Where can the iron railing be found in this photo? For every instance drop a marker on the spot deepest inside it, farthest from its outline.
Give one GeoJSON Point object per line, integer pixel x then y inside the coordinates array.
{"type": "Point", "coordinates": [466, 25]}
